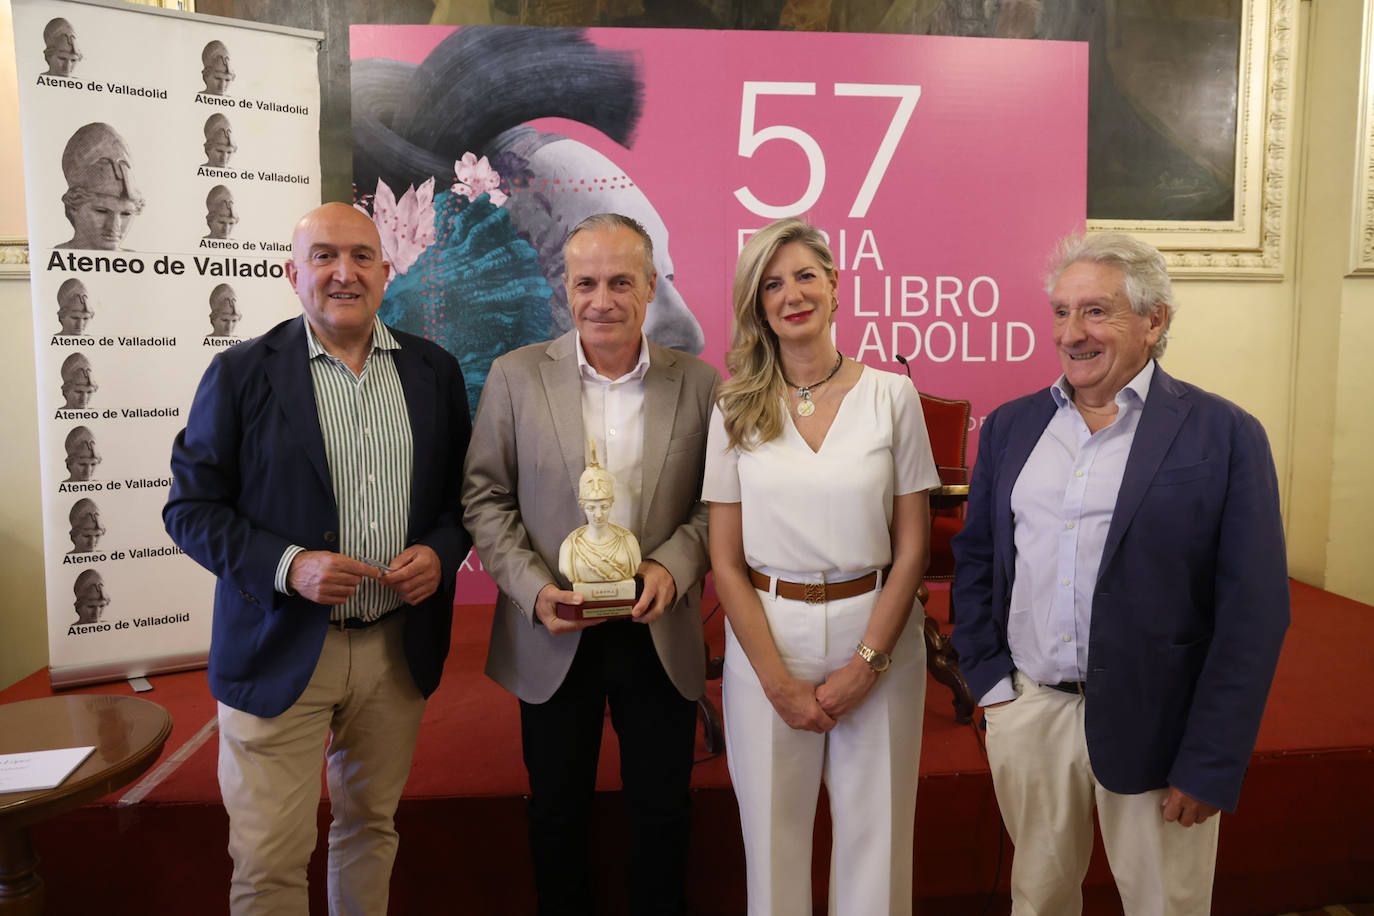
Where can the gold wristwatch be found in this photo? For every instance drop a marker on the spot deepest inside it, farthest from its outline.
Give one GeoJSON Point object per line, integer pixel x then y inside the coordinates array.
{"type": "Point", "coordinates": [878, 661]}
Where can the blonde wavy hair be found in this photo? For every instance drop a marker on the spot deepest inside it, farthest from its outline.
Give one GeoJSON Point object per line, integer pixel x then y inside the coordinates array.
{"type": "Point", "coordinates": [751, 401]}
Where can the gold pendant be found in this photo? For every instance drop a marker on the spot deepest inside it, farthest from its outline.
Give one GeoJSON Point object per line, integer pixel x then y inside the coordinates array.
{"type": "Point", "coordinates": [805, 407]}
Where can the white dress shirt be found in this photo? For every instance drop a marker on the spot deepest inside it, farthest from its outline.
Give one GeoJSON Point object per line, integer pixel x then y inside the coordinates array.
{"type": "Point", "coordinates": [613, 418]}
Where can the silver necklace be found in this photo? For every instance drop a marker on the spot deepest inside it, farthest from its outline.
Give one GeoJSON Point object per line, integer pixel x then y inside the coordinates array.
{"type": "Point", "coordinates": [806, 407]}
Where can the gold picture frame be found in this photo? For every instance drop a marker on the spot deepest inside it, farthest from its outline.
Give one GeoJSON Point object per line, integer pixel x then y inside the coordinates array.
{"type": "Point", "coordinates": [14, 256]}
{"type": "Point", "coordinates": [1362, 225]}
{"type": "Point", "coordinates": [1251, 245]}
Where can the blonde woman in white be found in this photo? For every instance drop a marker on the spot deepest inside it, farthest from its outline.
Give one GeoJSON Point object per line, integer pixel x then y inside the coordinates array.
{"type": "Point", "coordinates": [817, 472]}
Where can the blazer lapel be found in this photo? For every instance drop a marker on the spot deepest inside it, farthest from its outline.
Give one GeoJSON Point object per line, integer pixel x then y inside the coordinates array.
{"type": "Point", "coordinates": [1027, 428]}
{"type": "Point", "coordinates": [662, 386]}
{"type": "Point", "coordinates": [418, 386]}
{"type": "Point", "coordinates": [1160, 420]}
{"type": "Point", "coordinates": [563, 391]}
{"type": "Point", "coordinates": [288, 371]}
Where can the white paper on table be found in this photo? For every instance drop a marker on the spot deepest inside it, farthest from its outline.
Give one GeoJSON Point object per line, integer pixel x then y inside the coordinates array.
{"type": "Point", "coordinates": [40, 769]}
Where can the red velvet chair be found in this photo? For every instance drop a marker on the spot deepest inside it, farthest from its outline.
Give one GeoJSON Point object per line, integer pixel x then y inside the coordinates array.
{"type": "Point", "coordinates": [947, 423]}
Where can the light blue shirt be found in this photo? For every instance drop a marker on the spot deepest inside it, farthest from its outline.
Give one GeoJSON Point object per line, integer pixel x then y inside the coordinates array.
{"type": "Point", "coordinates": [1062, 504]}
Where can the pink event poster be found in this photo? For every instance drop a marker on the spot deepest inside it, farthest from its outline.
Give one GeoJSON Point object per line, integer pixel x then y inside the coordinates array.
{"type": "Point", "coordinates": [942, 169]}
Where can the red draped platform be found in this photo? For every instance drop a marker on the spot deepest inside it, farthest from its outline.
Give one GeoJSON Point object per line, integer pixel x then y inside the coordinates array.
{"type": "Point", "coordinates": [1303, 837]}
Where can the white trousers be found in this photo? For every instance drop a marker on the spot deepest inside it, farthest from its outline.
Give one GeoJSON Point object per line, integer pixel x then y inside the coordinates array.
{"type": "Point", "coordinates": [269, 776]}
{"type": "Point", "coordinates": [869, 762]}
{"type": "Point", "coordinates": [1046, 789]}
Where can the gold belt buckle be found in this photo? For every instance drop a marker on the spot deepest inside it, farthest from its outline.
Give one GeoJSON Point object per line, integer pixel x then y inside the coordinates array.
{"type": "Point", "coordinates": [813, 592]}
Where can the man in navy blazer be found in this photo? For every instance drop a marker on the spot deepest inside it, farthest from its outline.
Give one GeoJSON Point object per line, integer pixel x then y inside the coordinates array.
{"type": "Point", "coordinates": [318, 478]}
{"type": "Point", "coordinates": [1122, 595]}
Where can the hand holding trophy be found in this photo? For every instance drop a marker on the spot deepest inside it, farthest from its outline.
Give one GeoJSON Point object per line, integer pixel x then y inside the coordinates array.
{"type": "Point", "coordinates": [600, 558]}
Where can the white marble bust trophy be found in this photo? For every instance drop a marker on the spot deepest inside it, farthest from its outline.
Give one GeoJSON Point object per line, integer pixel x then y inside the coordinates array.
{"type": "Point", "coordinates": [600, 558]}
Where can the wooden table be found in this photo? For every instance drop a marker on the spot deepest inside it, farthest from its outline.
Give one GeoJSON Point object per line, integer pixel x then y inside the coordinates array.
{"type": "Point", "coordinates": [128, 735]}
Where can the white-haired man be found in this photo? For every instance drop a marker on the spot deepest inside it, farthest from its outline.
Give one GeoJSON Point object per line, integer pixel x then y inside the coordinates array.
{"type": "Point", "coordinates": [1122, 592]}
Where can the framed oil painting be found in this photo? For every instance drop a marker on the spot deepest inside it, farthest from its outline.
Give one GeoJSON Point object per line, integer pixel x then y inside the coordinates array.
{"type": "Point", "coordinates": [1200, 94]}
{"type": "Point", "coordinates": [1189, 99]}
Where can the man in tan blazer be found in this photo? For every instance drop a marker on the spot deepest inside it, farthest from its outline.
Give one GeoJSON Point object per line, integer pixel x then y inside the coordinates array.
{"type": "Point", "coordinates": [646, 408]}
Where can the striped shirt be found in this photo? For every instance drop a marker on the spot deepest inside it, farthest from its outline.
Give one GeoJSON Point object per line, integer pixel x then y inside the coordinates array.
{"type": "Point", "coordinates": [367, 440]}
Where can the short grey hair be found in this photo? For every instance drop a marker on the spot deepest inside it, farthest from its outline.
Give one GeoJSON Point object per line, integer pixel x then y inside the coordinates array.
{"type": "Point", "coordinates": [615, 221]}
{"type": "Point", "coordinates": [1147, 276]}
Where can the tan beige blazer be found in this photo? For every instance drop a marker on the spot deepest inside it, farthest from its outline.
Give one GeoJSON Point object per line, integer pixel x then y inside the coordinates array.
{"type": "Point", "coordinates": [520, 502]}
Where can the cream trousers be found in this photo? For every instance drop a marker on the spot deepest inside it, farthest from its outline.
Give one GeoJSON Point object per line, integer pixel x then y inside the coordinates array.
{"type": "Point", "coordinates": [869, 763]}
{"type": "Point", "coordinates": [1047, 791]}
{"type": "Point", "coordinates": [269, 775]}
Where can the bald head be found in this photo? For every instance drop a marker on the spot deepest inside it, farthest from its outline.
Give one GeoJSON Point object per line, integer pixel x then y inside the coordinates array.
{"type": "Point", "coordinates": [338, 272]}
{"type": "Point", "coordinates": [332, 216]}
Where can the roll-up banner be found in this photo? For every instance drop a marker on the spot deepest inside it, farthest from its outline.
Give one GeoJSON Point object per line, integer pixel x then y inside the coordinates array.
{"type": "Point", "coordinates": [167, 157]}
{"type": "Point", "coordinates": [942, 169]}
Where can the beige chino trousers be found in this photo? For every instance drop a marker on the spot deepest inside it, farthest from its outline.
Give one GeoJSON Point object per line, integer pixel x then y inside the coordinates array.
{"type": "Point", "coordinates": [1038, 751]}
{"type": "Point", "coordinates": [362, 711]}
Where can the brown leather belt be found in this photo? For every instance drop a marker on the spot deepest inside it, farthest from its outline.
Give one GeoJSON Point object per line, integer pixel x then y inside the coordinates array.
{"type": "Point", "coordinates": [817, 592]}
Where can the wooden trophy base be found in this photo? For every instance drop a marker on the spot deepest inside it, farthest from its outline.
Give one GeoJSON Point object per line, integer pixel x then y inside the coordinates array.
{"type": "Point", "coordinates": [603, 599]}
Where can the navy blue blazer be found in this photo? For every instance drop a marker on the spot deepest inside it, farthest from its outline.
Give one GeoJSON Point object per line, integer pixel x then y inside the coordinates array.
{"type": "Point", "coordinates": [250, 478]}
{"type": "Point", "coordinates": [1191, 601]}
